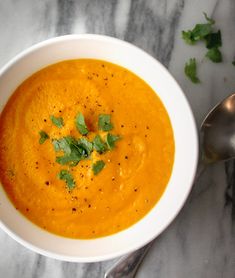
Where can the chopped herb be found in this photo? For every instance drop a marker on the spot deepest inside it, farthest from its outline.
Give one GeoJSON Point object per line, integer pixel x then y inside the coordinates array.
{"type": "Point", "coordinates": [63, 144]}
{"type": "Point", "coordinates": [43, 136]}
{"type": "Point", "coordinates": [199, 32]}
{"type": "Point", "coordinates": [111, 139]}
{"type": "Point", "coordinates": [213, 40]}
{"type": "Point", "coordinates": [233, 62]}
{"type": "Point", "coordinates": [214, 55]}
{"type": "Point", "coordinates": [57, 121]}
{"type": "Point", "coordinates": [98, 166]}
{"type": "Point", "coordinates": [190, 70]}
{"type": "Point", "coordinates": [74, 150]}
{"type": "Point", "coordinates": [99, 145]}
{"type": "Point", "coordinates": [80, 124]}
{"type": "Point", "coordinates": [104, 122]}
{"type": "Point", "coordinates": [67, 177]}
{"type": "Point", "coordinates": [87, 146]}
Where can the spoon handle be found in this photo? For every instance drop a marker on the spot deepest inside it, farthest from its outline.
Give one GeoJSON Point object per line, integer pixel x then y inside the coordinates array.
{"type": "Point", "coordinates": [127, 266]}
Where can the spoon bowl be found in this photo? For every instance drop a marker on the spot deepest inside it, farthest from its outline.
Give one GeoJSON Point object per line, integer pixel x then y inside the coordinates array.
{"type": "Point", "coordinates": [218, 132]}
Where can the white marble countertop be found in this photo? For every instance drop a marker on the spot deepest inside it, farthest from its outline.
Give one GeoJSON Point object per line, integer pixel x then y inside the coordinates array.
{"type": "Point", "coordinates": [201, 240]}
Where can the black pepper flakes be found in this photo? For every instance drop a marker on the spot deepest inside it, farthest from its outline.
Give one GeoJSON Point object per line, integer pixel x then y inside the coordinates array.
{"type": "Point", "coordinates": [74, 209]}
{"type": "Point", "coordinates": [126, 157]}
{"type": "Point", "coordinates": [47, 182]}
{"type": "Point", "coordinates": [89, 205]}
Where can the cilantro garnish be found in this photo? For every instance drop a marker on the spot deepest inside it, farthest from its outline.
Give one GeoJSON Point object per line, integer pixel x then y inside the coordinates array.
{"type": "Point", "coordinates": [104, 122]}
{"type": "Point", "coordinates": [190, 70]}
{"type": "Point", "coordinates": [80, 124]}
{"type": "Point", "coordinates": [214, 55]}
{"type": "Point", "coordinates": [74, 150]}
{"type": "Point", "coordinates": [43, 136]}
{"type": "Point", "coordinates": [57, 121]}
{"type": "Point", "coordinates": [203, 32]}
{"type": "Point", "coordinates": [199, 32]}
{"type": "Point", "coordinates": [68, 178]}
{"type": "Point", "coordinates": [111, 139]}
{"type": "Point", "coordinates": [213, 40]}
{"type": "Point", "coordinates": [99, 145]}
{"type": "Point", "coordinates": [98, 166]}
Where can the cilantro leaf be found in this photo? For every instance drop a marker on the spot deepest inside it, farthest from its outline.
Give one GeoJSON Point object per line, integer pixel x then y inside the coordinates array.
{"type": "Point", "coordinates": [63, 144]}
{"type": "Point", "coordinates": [80, 124]}
{"type": "Point", "coordinates": [59, 122]}
{"type": "Point", "coordinates": [213, 40]}
{"type": "Point", "coordinates": [99, 145]}
{"type": "Point", "coordinates": [111, 139]}
{"type": "Point", "coordinates": [214, 55]}
{"type": "Point", "coordinates": [199, 32]}
{"type": "Point", "coordinates": [190, 70]}
{"type": "Point", "coordinates": [67, 177]}
{"type": "Point", "coordinates": [74, 150]}
{"type": "Point", "coordinates": [43, 136]}
{"type": "Point", "coordinates": [85, 146]}
{"type": "Point", "coordinates": [98, 166]}
{"type": "Point", "coordinates": [104, 122]}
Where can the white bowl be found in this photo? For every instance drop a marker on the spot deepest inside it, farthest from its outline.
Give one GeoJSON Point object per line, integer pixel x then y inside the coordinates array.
{"type": "Point", "coordinates": [186, 147]}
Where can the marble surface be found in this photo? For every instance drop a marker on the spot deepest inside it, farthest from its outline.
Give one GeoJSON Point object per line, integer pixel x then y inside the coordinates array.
{"type": "Point", "coordinates": [200, 243]}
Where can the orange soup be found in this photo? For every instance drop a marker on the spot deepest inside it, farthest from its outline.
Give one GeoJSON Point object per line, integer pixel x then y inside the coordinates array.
{"type": "Point", "coordinates": [86, 148]}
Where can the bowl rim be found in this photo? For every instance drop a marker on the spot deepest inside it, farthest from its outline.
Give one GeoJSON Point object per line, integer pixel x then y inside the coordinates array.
{"type": "Point", "coordinates": [128, 249]}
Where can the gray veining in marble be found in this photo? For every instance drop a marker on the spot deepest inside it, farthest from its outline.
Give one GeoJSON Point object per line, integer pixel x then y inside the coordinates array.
{"type": "Point", "coordinates": [200, 243]}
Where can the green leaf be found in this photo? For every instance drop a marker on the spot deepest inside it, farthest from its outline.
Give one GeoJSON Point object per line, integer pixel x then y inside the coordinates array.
{"type": "Point", "coordinates": [85, 146]}
{"type": "Point", "coordinates": [199, 32]}
{"type": "Point", "coordinates": [210, 20]}
{"type": "Point", "coordinates": [74, 150]}
{"type": "Point", "coordinates": [80, 124]}
{"type": "Point", "coordinates": [43, 136]}
{"type": "Point", "coordinates": [214, 55]}
{"type": "Point", "coordinates": [213, 40]}
{"type": "Point", "coordinates": [57, 121]}
{"type": "Point", "coordinates": [98, 166]}
{"type": "Point", "coordinates": [99, 145]}
{"type": "Point", "coordinates": [68, 178]}
{"type": "Point", "coordinates": [63, 144]}
{"type": "Point", "coordinates": [111, 139]}
{"type": "Point", "coordinates": [104, 122]}
{"type": "Point", "coordinates": [233, 62]}
{"type": "Point", "coordinates": [187, 36]}
{"type": "Point", "coordinates": [190, 70]}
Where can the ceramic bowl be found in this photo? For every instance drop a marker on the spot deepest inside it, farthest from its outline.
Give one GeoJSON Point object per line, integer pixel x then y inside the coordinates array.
{"type": "Point", "coordinates": [185, 135]}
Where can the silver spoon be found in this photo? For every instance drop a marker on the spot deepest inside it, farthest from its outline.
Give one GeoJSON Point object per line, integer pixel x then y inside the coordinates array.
{"type": "Point", "coordinates": [218, 144]}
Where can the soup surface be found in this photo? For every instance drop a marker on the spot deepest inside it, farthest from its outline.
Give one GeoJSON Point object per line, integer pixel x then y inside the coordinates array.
{"type": "Point", "coordinates": [135, 173]}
